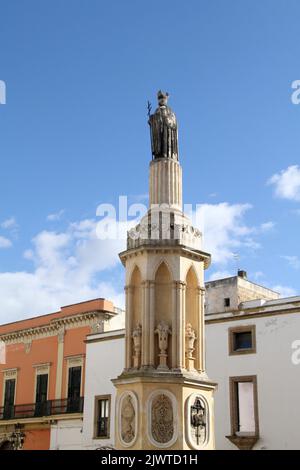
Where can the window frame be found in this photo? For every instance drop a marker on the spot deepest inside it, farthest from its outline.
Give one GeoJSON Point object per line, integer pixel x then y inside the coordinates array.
{"type": "Point", "coordinates": [98, 398]}
{"type": "Point", "coordinates": [74, 361]}
{"type": "Point", "coordinates": [7, 375]}
{"type": "Point", "coordinates": [234, 419]}
{"type": "Point", "coordinates": [227, 300]}
{"type": "Point", "coordinates": [41, 369]}
{"type": "Point", "coordinates": [231, 340]}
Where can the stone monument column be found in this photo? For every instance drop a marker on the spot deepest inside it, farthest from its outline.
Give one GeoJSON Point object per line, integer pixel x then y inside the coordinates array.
{"type": "Point", "coordinates": [164, 397]}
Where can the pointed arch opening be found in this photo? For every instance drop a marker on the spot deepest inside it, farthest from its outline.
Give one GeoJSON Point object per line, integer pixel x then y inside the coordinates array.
{"type": "Point", "coordinates": [136, 284]}
{"type": "Point", "coordinates": [163, 309]}
{"type": "Point", "coordinates": [192, 320]}
{"type": "Point", "coordinates": [135, 321]}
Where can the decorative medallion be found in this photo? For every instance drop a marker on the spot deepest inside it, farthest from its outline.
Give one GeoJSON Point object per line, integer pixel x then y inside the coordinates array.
{"type": "Point", "coordinates": [162, 419]}
{"type": "Point", "coordinates": [128, 419]}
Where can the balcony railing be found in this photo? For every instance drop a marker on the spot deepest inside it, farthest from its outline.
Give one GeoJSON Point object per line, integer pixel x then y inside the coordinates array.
{"type": "Point", "coordinates": [47, 408]}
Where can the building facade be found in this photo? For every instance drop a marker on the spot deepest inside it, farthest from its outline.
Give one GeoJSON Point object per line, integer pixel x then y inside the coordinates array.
{"type": "Point", "coordinates": [256, 404]}
{"type": "Point", "coordinates": [42, 377]}
{"type": "Point", "coordinates": [253, 351]}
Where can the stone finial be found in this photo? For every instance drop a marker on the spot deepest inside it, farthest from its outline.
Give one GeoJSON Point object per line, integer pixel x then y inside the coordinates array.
{"type": "Point", "coordinates": [163, 331]}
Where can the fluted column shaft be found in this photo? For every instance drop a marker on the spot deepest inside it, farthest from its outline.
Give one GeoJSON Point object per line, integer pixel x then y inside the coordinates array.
{"type": "Point", "coordinates": [151, 323]}
{"type": "Point", "coordinates": [180, 324]}
{"type": "Point", "coordinates": [200, 333]}
{"type": "Point", "coordinates": [128, 326]}
{"type": "Point", "coordinates": [146, 324]}
{"type": "Point", "coordinates": [202, 339]}
{"type": "Point", "coordinates": [165, 183]}
{"type": "Point", "coordinates": [174, 326]}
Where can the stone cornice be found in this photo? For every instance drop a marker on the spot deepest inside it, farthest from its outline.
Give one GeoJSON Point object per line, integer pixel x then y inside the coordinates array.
{"type": "Point", "coordinates": [237, 315]}
{"type": "Point", "coordinates": [172, 248]}
{"type": "Point", "coordinates": [54, 327]}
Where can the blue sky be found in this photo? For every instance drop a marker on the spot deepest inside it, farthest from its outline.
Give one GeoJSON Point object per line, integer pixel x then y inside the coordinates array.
{"type": "Point", "coordinates": [74, 134]}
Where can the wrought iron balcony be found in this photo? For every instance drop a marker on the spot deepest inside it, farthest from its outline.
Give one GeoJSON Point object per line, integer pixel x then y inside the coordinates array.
{"type": "Point", "coordinates": [47, 408]}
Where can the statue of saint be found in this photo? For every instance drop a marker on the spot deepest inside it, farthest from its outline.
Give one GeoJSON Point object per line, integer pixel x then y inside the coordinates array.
{"type": "Point", "coordinates": [137, 345]}
{"type": "Point", "coordinates": [163, 129]}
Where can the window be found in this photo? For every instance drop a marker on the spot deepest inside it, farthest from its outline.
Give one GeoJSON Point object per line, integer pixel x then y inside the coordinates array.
{"type": "Point", "coordinates": [244, 409]}
{"type": "Point", "coordinates": [74, 386]}
{"type": "Point", "coordinates": [242, 340]}
{"type": "Point", "coordinates": [102, 417]}
{"type": "Point", "coordinates": [227, 302]}
{"type": "Point", "coordinates": [41, 394]}
{"type": "Point", "coordinates": [9, 398]}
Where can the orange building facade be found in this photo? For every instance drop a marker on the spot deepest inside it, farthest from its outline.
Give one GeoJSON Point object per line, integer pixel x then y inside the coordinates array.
{"type": "Point", "coordinates": [42, 372]}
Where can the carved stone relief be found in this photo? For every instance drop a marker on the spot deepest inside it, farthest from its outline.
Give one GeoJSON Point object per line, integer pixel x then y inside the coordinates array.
{"type": "Point", "coordinates": [163, 331]}
{"type": "Point", "coordinates": [198, 421]}
{"type": "Point", "coordinates": [190, 338]}
{"type": "Point", "coordinates": [27, 345]}
{"type": "Point", "coordinates": [128, 419]}
{"type": "Point", "coordinates": [137, 345]}
{"type": "Point", "coordinates": [162, 419]}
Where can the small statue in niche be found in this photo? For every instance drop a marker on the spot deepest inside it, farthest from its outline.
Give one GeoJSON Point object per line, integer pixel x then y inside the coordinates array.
{"type": "Point", "coordinates": [190, 337]}
{"type": "Point", "coordinates": [163, 331]}
{"type": "Point", "coordinates": [137, 345]}
{"type": "Point", "coordinates": [198, 421]}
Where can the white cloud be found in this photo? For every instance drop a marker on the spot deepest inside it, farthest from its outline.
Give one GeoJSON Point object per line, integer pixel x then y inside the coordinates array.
{"type": "Point", "coordinates": [67, 265]}
{"type": "Point", "coordinates": [284, 291]}
{"type": "Point", "coordinates": [287, 183]}
{"type": "Point", "coordinates": [55, 216]}
{"type": "Point", "coordinates": [224, 230]}
{"type": "Point", "coordinates": [220, 275]}
{"type": "Point", "coordinates": [258, 275]}
{"type": "Point", "coordinates": [267, 226]}
{"type": "Point", "coordinates": [293, 261]}
{"type": "Point", "coordinates": [9, 223]}
{"type": "Point", "coordinates": [66, 268]}
{"type": "Point", "coordinates": [5, 242]}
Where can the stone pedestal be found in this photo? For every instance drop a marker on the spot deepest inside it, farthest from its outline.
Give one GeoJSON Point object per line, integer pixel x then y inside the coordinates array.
{"type": "Point", "coordinates": [164, 406]}
{"type": "Point", "coordinates": [165, 183]}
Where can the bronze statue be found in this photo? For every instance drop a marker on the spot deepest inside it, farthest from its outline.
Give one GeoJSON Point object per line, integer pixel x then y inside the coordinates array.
{"type": "Point", "coordinates": [163, 129]}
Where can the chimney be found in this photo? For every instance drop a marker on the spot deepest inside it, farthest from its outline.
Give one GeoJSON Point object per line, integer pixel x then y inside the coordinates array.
{"type": "Point", "coordinates": [242, 274]}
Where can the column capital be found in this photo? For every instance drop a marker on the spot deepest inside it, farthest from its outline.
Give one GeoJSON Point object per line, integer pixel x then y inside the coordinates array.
{"type": "Point", "coordinates": [201, 290]}
{"type": "Point", "coordinates": [61, 334]}
{"type": "Point", "coordinates": [147, 283]}
{"type": "Point", "coordinates": [128, 288]}
{"type": "Point", "coordinates": [179, 284]}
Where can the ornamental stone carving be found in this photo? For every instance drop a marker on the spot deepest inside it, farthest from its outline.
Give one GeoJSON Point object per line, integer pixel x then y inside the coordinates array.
{"type": "Point", "coordinates": [190, 337]}
{"type": "Point", "coordinates": [97, 327]}
{"type": "Point", "coordinates": [128, 421]}
{"type": "Point", "coordinates": [162, 419]}
{"type": "Point", "coordinates": [61, 334]}
{"type": "Point", "coordinates": [137, 345]}
{"type": "Point", "coordinates": [27, 345]}
{"type": "Point", "coordinates": [163, 331]}
{"type": "Point", "coordinates": [198, 421]}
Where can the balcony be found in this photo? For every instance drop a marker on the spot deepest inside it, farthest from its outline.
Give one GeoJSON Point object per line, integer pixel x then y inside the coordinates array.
{"type": "Point", "coordinates": [38, 410]}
